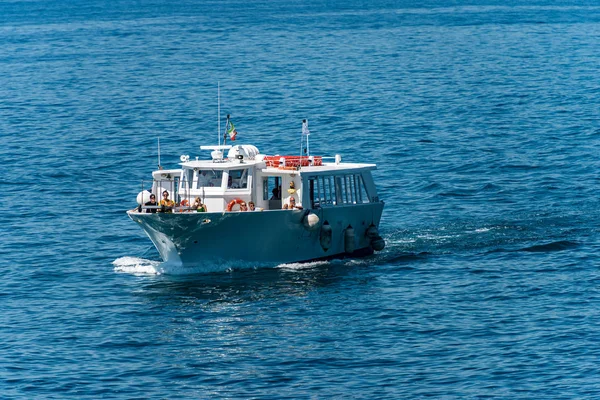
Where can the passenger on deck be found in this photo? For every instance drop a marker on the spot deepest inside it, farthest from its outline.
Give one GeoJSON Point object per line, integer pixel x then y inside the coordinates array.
{"type": "Point", "coordinates": [151, 203]}
{"type": "Point", "coordinates": [275, 196]}
{"type": "Point", "coordinates": [185, 205]}
{"type": "Point", "coordinates": [251, 206]}
{"type": "Point", "coordinates": [285, 207]}
{"type": "Point", "coordinates": [293, 204]}
{"type": "Point", "coordinates": [198, 206]}
{"type": "Point", "coordinates": [243, 207]}
{"type": "Point", "coordinates": [231, 184]}
{"type": "Point", "coordinates": [166, 205]}
{"type": "Point", "coordinates": [203, 179]}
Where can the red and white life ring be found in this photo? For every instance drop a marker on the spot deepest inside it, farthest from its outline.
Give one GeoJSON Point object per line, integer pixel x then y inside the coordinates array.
{"type": "Point", "coordinates": [184, 204]}
{"type": "Point", "coordinates": [234, 202]}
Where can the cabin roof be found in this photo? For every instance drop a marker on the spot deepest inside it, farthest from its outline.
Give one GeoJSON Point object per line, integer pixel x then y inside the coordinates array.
{"type": "Point", "coordinates": [235, 164]}
{"type": "Point", "coordinates": [326, 168]}
{"type": "Point", "coordinates": [222, 165]}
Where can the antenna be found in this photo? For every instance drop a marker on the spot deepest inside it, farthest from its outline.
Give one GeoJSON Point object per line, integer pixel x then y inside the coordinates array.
{"type": "Point", "coordinates": [226, 129]}
{"type": "Point", "coordinates": [307, 137]}
{"type": "Point", "coordinates": [159, 167]}
{"type": "Point", "coordinates": [219, 111]}
{"type": "Point", "coordinates": [305, 132]}
{"type": "Point", "coordinates": [301, 141]}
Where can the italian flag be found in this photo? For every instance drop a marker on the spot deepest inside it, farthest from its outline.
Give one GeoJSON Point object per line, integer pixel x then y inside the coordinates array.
{"type": "Point", "coordinates": [231, 131]}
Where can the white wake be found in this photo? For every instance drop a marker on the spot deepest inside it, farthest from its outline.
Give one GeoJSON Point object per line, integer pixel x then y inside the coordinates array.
{"type": "Point", "coordinates": [141, 266]}
{"type": "Point", "coordinates": [302, 265]}
{"type": "Point", "coordinates": [137, 266]}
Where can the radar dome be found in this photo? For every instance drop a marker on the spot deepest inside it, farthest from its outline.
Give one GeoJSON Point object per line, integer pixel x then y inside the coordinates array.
{"type": "Point", "coordinates": [246, 150]}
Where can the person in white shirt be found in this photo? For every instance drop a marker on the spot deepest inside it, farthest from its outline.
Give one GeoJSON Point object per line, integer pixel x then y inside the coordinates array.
{"type": "Point", "coordinates": [293, 204]}
{"type": "Point", "coordinates": [203, 179]}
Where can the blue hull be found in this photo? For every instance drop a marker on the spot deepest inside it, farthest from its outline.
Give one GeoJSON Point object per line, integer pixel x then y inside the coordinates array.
{"type": "Point", "coordinates": [256, 239]}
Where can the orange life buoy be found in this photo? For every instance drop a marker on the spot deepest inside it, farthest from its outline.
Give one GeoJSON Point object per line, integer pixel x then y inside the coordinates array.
{"type": "Point", "coordinates": [234, 202]}
{"type": "Point", "coordinates": [183, 204]}
{"type": "Point", "coordinates": [292, 162]}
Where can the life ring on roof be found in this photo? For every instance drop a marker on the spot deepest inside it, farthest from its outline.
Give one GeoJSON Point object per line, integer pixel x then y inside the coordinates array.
{"type": "Point", "coordinates": [234, 202]}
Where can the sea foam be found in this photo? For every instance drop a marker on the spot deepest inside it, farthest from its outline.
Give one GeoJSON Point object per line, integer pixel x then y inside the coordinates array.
{"type": "Point", "coordinates": [137, 266]}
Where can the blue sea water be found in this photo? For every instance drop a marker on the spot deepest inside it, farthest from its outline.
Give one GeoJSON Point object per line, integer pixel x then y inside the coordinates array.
{"type": "Point", "coordinates": [483, 118]}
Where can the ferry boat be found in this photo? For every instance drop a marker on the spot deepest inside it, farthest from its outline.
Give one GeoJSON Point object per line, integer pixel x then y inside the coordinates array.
{"type": "Point", "coordinates": [305, 209]}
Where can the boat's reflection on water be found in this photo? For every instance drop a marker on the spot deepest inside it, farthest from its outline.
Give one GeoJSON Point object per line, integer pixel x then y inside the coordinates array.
{"type": "Point", "coordinates": [217, 316]}
{"type": "Point", "coordinates": [247, 285]}
{"type": "Point", "coordinates": [210, 291]}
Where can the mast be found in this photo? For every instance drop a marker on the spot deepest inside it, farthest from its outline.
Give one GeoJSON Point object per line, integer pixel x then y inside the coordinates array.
{"type": "Point", "coordinates": [219, 112]}
{"type": "Point", "coordinates": [305, 132]}
{"type": "Point", "coordinates": [226, 129]}
{"type": "Point", "coordinates": [301, 142]}
{"type": "Point", "coordinates": [159, 167]}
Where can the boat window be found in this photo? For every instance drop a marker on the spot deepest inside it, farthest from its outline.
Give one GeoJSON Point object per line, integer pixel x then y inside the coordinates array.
{"type": "Point", "coordinates": [265, 187]}
{"type": "Point", "coordinates": [361, 191]}
{"type": "Point", "coordinates": [350, 189]}
{"type": "Point", "coordinates": [322, 187]}
{"type": "Point", "coordinates": [313, 185]}
{"type": "Point", "coordinates": [327, 193]}
{"type": "Point", "coordinates": [171, 185]}
{"type": "Point", "coordinates": [186, 179]}
{"type": "Point", "coordinates": [185, 183]}
{"type": "Point", "coordinates": [238, 179]}
{"type": "Point", "coordinates": [208, 178]}
{"type": "Point", "coordinates": [269, 184]}
{"type": "Point", "coordinates": [339, 189]}
{"type": "Point", "coordinates": [311, 192]}
{"type": "Point", "coordinates": [322, 191]}
{"type": "Point", "coordinates": [331, 182]}
{"type": "Point", "coordinates": [343, 189]}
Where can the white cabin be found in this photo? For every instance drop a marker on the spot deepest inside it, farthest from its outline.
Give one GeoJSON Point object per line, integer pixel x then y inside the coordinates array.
{"type": "Point", "coordinates": [247, 175]}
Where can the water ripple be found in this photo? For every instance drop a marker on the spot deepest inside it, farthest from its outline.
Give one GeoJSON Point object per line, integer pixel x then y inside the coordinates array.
{"type": "Point", "coordinates": [482, 118]}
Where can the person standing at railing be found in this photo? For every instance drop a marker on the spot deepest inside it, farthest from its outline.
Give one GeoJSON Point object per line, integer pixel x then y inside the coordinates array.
{"type": "Point", "coordinates": [198, 206]}
{"type": "Point", "coordinates": [166, 205]}
{"type": "Point", "coordinates": [275, 193]}
{"type": "Point", "coordinates": [151, 203]}
{"type": "Point", "coordinates": [293, 204]}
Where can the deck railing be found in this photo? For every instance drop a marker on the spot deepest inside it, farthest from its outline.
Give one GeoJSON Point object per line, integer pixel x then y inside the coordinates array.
{"type": "Point", "coordinates": [178, 192]}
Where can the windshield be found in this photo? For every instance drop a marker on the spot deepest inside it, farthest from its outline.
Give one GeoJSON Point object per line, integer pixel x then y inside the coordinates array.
{"type": "Point", "coordinates": [208, 178]}
{"type": "Point", "coordinates": [238, 179]}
